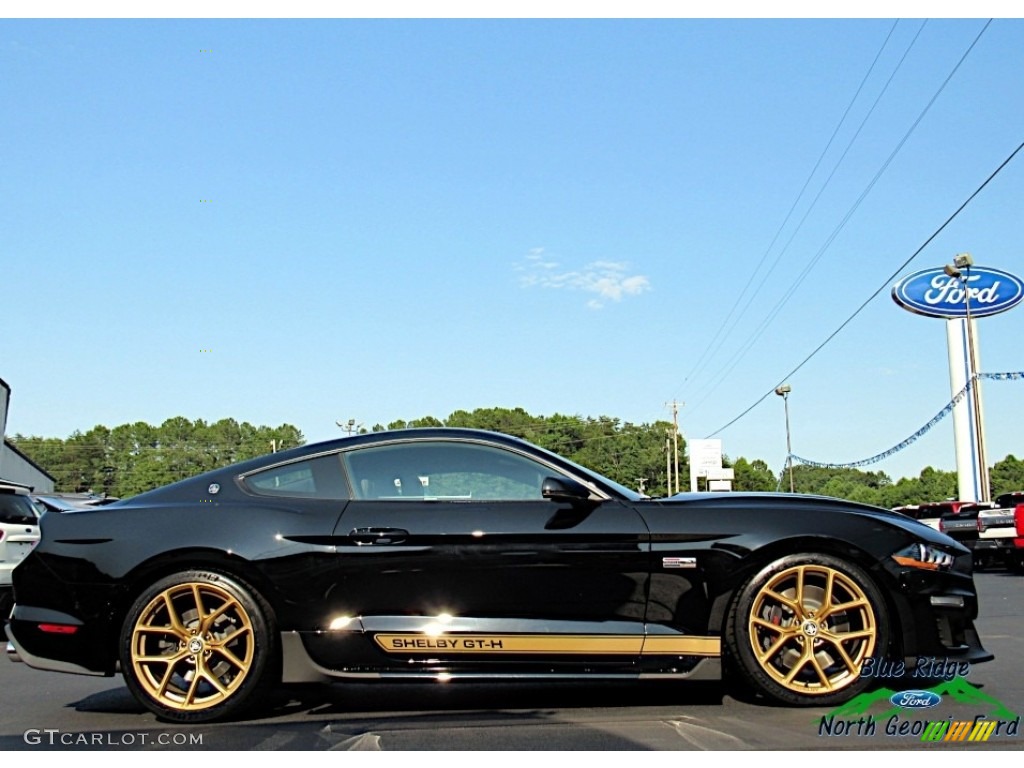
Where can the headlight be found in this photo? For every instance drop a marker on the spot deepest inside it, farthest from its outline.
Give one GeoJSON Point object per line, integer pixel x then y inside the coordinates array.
{"type": "Point", "coordinates": [926, 556]}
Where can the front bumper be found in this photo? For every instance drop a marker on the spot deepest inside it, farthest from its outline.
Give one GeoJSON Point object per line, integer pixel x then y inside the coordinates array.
{"type": "Point", "coordinates": [936, 612]}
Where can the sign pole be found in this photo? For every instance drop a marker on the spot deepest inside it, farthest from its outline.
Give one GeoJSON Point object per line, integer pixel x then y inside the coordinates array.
{"type": "Point", "coordinates": [970, 478]}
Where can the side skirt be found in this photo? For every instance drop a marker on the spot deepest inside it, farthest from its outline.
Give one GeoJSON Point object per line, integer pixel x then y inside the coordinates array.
{"type": "Point", "coordinates": [299, 667]}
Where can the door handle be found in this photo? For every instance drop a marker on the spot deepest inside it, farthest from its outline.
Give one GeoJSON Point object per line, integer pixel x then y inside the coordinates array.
{"type": "Point", "coordinates": [378, 535]}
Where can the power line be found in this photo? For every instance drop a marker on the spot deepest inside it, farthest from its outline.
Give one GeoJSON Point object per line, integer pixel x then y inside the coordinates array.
{"type": "Point", "coordinates": [885, 284]}
{"type": "Point", "coordinates": [770, 318]}
{"type": "Point", "coordinates": [697, 366]}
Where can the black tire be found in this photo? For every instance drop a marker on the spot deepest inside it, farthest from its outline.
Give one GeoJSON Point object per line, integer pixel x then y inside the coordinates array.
{"type": "Point", "coordinates": [198, 646]}
{"type": "Point", "coordinates": [6, 605]}
{"type": "Point", "coordinates": [801, 628]}
{"type": "Point", "coordinates": [1015, 562]}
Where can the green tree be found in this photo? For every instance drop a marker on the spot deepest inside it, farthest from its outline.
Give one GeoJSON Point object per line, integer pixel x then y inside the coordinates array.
{"type": "Point", "coordinates": [426, 421]}
{"type": "Point", "coordinates": [931, 485]}
{"type": "Point", "coordinates": [752, 476]}
{"type": "Point", "coordinates": [1007, 476]}
{"type": "Point", "coordinates": [132, 458]}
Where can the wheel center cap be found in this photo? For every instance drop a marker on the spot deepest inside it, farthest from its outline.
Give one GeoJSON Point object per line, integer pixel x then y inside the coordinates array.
{"type": "Point", "coordinates": [195, 645]}
{"type": "Point", "coordinates": [810, 628]}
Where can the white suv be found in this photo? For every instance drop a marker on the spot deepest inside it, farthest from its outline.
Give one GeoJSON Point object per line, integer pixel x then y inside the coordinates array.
{"type": "Point", "coordinates": [19, 532]}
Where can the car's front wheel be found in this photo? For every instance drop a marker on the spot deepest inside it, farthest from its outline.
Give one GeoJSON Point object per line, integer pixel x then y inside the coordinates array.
{"type": "Point", "coordinates": [802, 627]}
{"type": "Point", "coordinates": [196, 646]}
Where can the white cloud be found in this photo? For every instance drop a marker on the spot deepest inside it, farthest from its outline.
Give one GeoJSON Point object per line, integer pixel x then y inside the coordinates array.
{"type": "Point", "coordinates": [610, 280]}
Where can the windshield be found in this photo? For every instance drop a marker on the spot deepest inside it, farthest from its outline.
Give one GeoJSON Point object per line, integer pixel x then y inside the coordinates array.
{"type": "Point", "coordinates": [618, 488]}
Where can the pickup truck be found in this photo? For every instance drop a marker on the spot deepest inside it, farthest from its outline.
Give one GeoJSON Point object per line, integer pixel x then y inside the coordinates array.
{"type": "Point", "coordinates": [957, 519]}
{"type": "Point", "coordinates": [929, 513]}
{"type": "Point", "coordinates": [993, 531]}
{"type": "Point", "coordinates": [1001, 533]}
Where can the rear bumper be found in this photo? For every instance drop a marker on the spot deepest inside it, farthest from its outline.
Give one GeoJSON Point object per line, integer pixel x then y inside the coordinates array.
{"type": "Point", "coordinates": [16, 652]}
{"type": "Point", "coordinates": [77, 652]}
{"type": "Point", "coordinates": [1004, 544]}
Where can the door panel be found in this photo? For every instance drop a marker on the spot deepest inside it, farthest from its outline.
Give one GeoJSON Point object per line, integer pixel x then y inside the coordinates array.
{"type": "Point", "coordinates": [511, 579]}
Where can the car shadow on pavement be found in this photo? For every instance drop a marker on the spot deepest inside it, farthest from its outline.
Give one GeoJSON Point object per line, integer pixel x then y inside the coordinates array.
{"type": "Point", "coordinates": [115, 701]}
{"type": "Point", "coordinates": [354, 698]}
{"type": "Point", "coordinates": [350, 699]}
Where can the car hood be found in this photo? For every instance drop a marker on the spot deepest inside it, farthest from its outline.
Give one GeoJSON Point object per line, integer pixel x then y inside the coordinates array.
{"type": "Point", "coordinates": [782, 503]}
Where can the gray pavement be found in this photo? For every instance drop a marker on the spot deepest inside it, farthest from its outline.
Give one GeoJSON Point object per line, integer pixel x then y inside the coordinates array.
{"type": "Point", "coordinates": [44, 711]}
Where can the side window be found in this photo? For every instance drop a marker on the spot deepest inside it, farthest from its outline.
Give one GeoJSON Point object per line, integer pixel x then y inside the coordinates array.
{"type": "Point", "coordinates": [318, 478]}
{"type": "Point", "coordinates": [444, 471]}
{"type": "Point", "coordinates": [17, 510]}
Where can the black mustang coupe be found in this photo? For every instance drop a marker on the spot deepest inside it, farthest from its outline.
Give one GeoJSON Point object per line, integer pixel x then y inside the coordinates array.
{"type": "Point", "coordinates": [447, 553]}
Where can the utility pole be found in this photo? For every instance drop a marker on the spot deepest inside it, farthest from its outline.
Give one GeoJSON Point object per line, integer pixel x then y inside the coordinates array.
{"type": "Point", "coordinates": [675, 442]}
{"type": "Point", "coordinates": [668, 465]}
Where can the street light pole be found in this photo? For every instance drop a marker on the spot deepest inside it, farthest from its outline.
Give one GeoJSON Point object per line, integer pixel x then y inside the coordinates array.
{"type": "Point", "coordinates": [783, 391]}
{"type": "Point", "coordinates": [350, 426]}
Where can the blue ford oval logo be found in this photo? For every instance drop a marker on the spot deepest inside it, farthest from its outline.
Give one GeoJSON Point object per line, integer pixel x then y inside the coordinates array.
{"type": "Point", "coordinates": [981, 291]}
{"type": "Point", "coordinates": [915, 699]}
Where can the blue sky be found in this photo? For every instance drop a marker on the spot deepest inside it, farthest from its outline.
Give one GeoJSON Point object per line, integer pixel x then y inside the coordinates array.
{"type": "Point", "coordinates": [389, 219]}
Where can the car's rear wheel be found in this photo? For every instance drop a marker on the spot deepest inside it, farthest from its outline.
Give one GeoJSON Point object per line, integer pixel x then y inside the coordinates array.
{"type": "Point", "coordinates": [197, 646]}
{"type": "Point", "coordinates": [802, 627]}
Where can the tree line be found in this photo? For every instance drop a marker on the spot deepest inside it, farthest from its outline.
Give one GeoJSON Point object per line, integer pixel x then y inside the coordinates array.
{"type": "Point", "coordinates": [133, 458]}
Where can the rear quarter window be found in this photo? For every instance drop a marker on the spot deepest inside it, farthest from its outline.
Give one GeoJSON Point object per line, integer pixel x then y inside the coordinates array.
{"type": "Point", "coordinates": [317, 478]}
{"type": "Point", "coordinates": [17, 510]}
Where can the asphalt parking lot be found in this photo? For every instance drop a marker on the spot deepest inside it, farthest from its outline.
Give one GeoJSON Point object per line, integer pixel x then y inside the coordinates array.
{"type": "Point", "coordinates": [49, 711]}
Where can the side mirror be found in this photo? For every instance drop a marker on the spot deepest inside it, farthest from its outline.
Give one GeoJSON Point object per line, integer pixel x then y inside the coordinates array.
{"type": "Point", "coordinates": [564, 489]}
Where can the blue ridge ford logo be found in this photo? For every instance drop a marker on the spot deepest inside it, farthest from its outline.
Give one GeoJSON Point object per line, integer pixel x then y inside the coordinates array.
{"type": "Point", "coordinates": [982, 290]}
{"type": "Point", "coordinates": [915, 699]}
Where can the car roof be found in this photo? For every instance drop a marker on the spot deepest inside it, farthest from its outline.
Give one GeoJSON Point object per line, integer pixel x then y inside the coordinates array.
{"type": "Point", "coordinates": [369, 438]}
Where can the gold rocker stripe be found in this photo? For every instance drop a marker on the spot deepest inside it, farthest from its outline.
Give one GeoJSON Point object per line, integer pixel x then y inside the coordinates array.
{"type": "Point", "coordinates": [673, 645]}
{"type": "Point", "coordinates": [632, 645]}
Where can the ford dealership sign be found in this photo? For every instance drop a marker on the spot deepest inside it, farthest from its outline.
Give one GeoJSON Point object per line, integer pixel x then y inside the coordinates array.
{"type": "Point", "coordinates": [982, 290]}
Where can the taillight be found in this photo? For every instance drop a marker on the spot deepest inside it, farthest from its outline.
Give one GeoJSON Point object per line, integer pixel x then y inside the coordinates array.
{"type": "Point", "coordinates": [942, 526]}
{"type": "Point", "coordinates": [1018, 519]}
{"type": "Point", "coordinates": [58, 629]}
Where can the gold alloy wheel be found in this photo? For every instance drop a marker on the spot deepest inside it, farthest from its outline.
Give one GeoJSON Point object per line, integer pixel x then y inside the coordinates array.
{"type": "Point", "coordinates": [811, 628]}
{"type": "Point", "coordinates": [192, 646]}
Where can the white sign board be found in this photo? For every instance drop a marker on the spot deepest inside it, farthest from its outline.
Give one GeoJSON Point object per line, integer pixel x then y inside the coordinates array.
{"type": "Point", "coordinates": [705, 456]}
{"type": "Point", "coordinates": [722, 473]}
